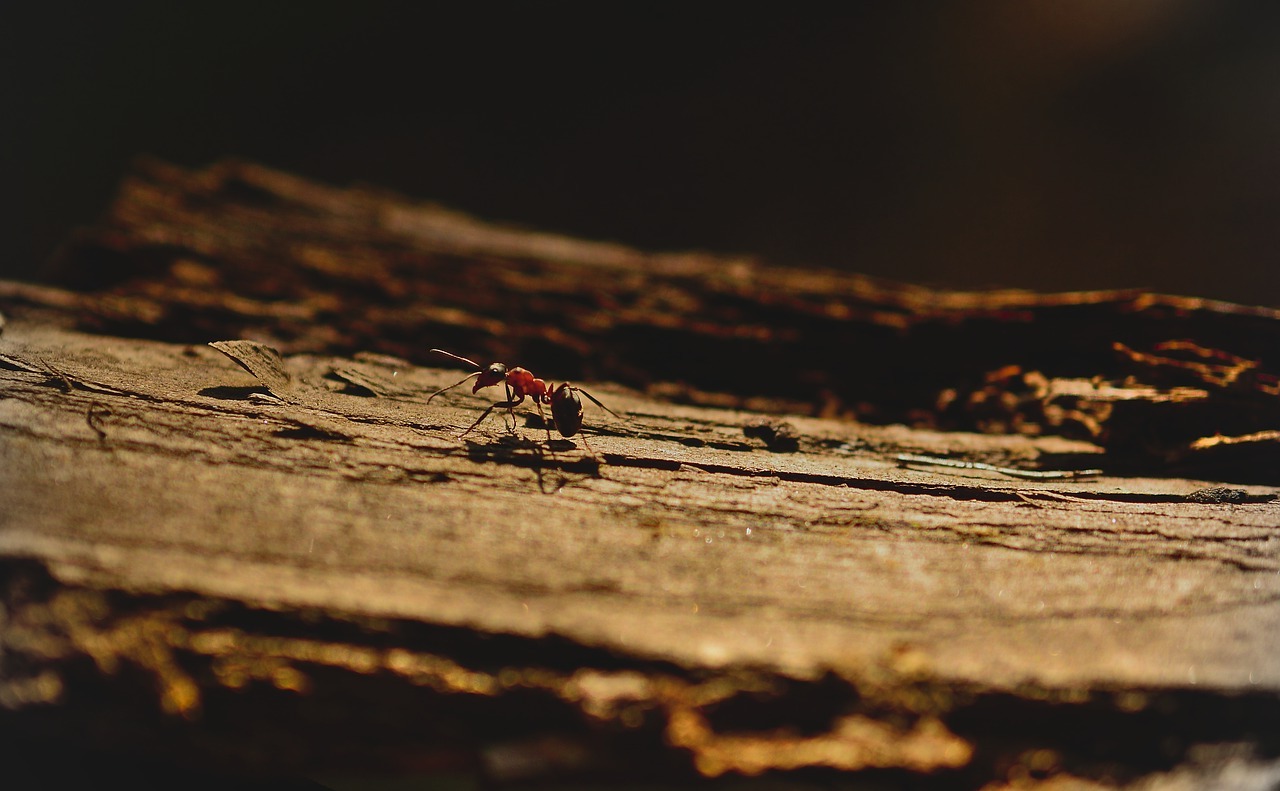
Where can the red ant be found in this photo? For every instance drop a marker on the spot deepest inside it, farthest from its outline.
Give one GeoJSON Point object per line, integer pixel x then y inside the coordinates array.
{"type": "Point", "coordinates": [566, 407]}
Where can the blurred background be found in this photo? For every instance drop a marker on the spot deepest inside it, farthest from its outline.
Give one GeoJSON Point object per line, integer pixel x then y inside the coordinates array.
{"type": "Point", "coordinates": [1046, 145]}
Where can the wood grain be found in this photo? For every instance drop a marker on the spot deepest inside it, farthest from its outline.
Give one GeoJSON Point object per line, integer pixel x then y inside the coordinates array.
{"type": "Point", "coordinates": [676, 553]}
{"type": "Point", "coordinates": [235, 535]}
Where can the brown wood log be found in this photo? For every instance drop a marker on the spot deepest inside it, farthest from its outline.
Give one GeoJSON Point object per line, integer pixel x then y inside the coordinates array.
{"type": "Point", "coordinates": [237, 250]}
{"type": "Point", "coordinates": [291, 562]}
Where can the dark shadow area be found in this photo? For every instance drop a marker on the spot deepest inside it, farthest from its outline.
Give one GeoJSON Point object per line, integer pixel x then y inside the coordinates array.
{"type": "Point", "coordinates": [1100, 740]}
{"type": "Point", "coordinates": [1058, 146]}
{"type": "Point", "coordinates": [229, 393]}
{"type": "Point", "coordinates": [533, 454]}
{"type": "Point", "coordinates": [43, 761]}
{"type": "Point", "coordinates": [370, 719]}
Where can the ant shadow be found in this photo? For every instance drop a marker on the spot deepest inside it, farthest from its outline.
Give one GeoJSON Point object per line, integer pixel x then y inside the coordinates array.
{"type": "Point", "coordinates": [538, 456]}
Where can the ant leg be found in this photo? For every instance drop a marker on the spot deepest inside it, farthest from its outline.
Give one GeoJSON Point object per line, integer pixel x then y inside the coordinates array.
{"type": "Point", "coordinates": [587, 445]}
{"type": "Point", "coordinates": [510, 404]}
{"type": "Point", "coordinates": [545, 425]}
{"type": "Point", "coordinates": [512, 401]}
{"type": "Point", "coordinates": [485, 414]}
{"type": "Point", "coordinates": [596, 401]}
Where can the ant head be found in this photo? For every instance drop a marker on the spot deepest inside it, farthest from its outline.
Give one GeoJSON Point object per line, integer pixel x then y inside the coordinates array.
{"type": "Point", "coordinates": [566, 408]}
{"type": "Point", "coordinates": [496, 373]}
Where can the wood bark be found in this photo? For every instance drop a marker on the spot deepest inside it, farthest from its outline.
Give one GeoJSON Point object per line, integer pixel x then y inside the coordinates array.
{"type": "Point", "coordinates": [292, 561]}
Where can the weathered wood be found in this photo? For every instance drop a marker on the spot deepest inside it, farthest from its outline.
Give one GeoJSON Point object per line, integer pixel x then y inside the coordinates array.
{"type": "Point", "coordinates": [238, 250]}
{"type": "Point", "coordinates": [675, 582]}
{"type": "Point", "coordinates": [291, 562]}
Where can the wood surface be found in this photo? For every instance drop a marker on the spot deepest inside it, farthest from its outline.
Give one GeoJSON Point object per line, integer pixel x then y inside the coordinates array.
{"type": "Point", "coordinates": [236, 250]}
{"type": "Point", "coordinates": [272, 553]}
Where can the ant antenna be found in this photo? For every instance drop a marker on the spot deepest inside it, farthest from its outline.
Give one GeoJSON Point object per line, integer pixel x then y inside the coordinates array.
{"type": "Point", "coordinates": [459, 359]}
{"type": "Point", "coordinates": [455, 384]}
{"type": "Point", "coordinates": [471, 363]}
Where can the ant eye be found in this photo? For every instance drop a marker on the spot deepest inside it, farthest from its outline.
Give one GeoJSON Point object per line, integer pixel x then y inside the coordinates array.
{"type": "Point", "coordinates": [498, 369]}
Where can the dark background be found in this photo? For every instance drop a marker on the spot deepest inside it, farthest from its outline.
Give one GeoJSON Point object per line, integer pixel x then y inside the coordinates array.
{"type": "Point", "coordinates": [1087, 144]}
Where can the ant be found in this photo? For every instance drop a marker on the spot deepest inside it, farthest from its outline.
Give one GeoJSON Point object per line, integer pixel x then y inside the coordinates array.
{"type": "Point", "coordinates": [566, 407]}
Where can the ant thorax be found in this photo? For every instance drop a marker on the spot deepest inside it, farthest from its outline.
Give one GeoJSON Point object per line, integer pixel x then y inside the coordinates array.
{"type": "Point", "coordinates": [525, 383]}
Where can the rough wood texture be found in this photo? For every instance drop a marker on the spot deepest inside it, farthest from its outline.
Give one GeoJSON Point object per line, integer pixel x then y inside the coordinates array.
{"type": "Point", "coordinates": [238, 250]}
{"type": "Point", "coordinates": [293, 562]}
{"type": "Point", "coordinates": [682, 572]}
